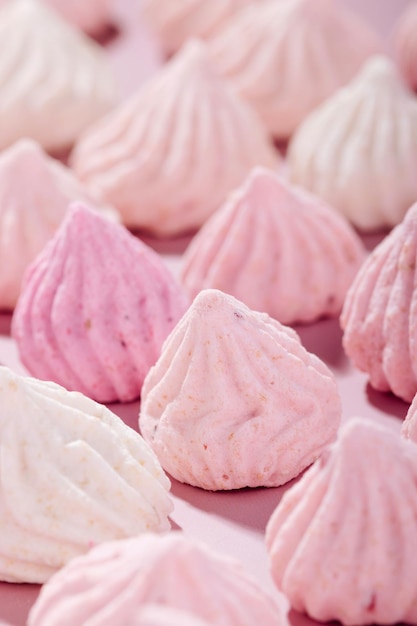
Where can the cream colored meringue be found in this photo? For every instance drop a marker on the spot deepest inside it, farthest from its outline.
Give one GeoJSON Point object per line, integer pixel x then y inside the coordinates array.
{"type": "Point", "coordinates": [169, 156]}
{"type": "Point", "coordinates": [35, 191]}
{"type": "Point", "coordinates": [358, 151]}
{"type": "Point", "coordinates": [54, 81]}
{"type": "Point", "coordinates": [379, 316]}
{"type": "Point", "coordinates": [405, 45]}
{"type": "Point", "coordinates": [296, 53]}
{"type": "Point", "coordinates": [171, 570]}
{"type": "Point", "coordinates": [235, 400]}
{"type": "Point", "coordinates": [342, 541]}
{"type": "Point", "coordinates": [277, 249]}
{"type": "Point", "coordinates": [73, 475]}
{"type": "Point", "coordinates": [95, 308]}
{"type": "Point", "coordinates": [175, 22]}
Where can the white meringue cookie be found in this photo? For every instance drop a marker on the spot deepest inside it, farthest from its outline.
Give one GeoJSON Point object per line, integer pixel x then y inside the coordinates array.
{"type": "Point", "coordinates": [358, 150]}
{"type": "Point", "coordinates": [72, 475]}
{"type": "Point", "coordinates": [54, 81]}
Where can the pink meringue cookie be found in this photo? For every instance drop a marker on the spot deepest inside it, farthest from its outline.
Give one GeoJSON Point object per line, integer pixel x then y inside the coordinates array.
{"type": "Point", "coordinates": [35, 191]}
{"type": "Point", "coordinates": [169, 156]}
{"type": "Point", "coordinates": [112, 583]}
{"type": "Point", "coordinates": [277, 249]}
{"type": "Point", "coordinates": [379, 317]}
{"type": "Point", "coordinates": [358, 150]}
{"type": "Point", "coordinates": [235, 400]}
{"type": "Point", "coordinates": [175, 22]}
{"type": "Point", "coordinates": [409, 427]}
{"type": "Point", "coordinates": [296, 53]}
{"type": "Point", "coordinates": [158, 615]}
{"type": "Point", "coordinates": [405, 45]}
{"type": "Point", "coordinates": [342, 541]}
{"type": "Point", "coordinates": [95, 308]}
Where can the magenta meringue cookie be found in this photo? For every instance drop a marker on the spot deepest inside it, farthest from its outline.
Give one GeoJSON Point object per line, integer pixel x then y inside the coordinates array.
{"type": "Point", "coordinates": [276, 248]}
{"type": "Point", "coordinates": [175, 22]}
{"type": "Point", "coordinates": [235, 400]}
{"type": "Point", "coordinates": [379, 313]}
{"type": "Point", "coordinates": [341, 154]}
{"type": "Point", "coordinates": [73, 475]}
{"type": "Point", "coordinates": [95, 308]}
{"type": "Point", "coordinates": [169, 156]}
{"type": "Point", "coordinates": [35, 191]}
{"type": "Point", "coordinates": [342, 540]}
{"type": "Point", "coordinates": [296, 53]}
{"type": "Point", "coordinates": [54, 80]}
{"type": "Point", "coordinates": [112, 583]}
{"type": "Point", "coordinates": [405, 45]}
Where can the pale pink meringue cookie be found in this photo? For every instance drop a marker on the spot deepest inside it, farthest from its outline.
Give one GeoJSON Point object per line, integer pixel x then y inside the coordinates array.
{"type": "Point", "coordinates": [285, 57]}
{"type": "Point", "coordinates": [342, 541]}
{"type": "Point", "coordinates": [379, 316]}
{"type": "Point", "coordinates": [276, 248]}
{"type": "Point", "coordinates": [175, 22]}
{"type": "Point", "coordinates": [113, 582]}
{"type": "Point", "coordinates": [235, 400]}
{"type": "Point", "coordinates": [405, 45]}
{"type": "Point", "coordinates": [35, 191]}
{"type": "Point", "coordinates": [169, 156]}
{"type": "Point", "coordinates": [159, 615]}
{"type": "Point", "coordinates": [54, 80]}
{"type": "Point", "coordinates": [73, 475]}
{"type": "Point", "coordinates": [358, 150]}
{"type": "Point", "coordinates": [95, 308]}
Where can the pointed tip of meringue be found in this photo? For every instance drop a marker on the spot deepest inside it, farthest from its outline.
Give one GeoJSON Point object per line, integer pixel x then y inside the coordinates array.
{"type": "Point", "coordinates": [380, 70]}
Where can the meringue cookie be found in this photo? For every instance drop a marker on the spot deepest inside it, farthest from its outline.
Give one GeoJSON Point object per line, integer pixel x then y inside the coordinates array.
{"type": "Point", "coordinates": [277, 249]}
{"type": "Point", "coordinates": [358, 151]}
{"type": "Point", "coordinates": [171, 570]}
{"type": "Point", "coordinates": [235, 400]}
{"type": "Point", "coordinates": [175, 22]}
{"type": "Point", "coordinates": [54, 81]}
{"type": "Point", "coordinates": [35, 191]}
{"type": "Point", "coordinates": [95, 308]}
{"type": "Point", "coordinates": [158, 615]}
{"type": "Point", "coordinates": [342, 541]}
{"type": "Point", "coordinates": [405, 45]}
{"type": "Point", "coordinates": [73, 475]}
{"type": "Point", "coordinates": [409, 427]}
{"type": "Point", "coordinates": [379, 316]}
{"type": "Point", "coordinates": [296, 53]}
{"type": "Point", "coordinates": [169, 156]}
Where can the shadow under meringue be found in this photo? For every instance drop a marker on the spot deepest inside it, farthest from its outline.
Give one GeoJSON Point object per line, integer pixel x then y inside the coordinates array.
{"type": "Point", "coordinates": [387, 402]}
{"type": "Point", "coordinates": [324, 339]}
{"type": "Point", "coordinates": [5, 324]}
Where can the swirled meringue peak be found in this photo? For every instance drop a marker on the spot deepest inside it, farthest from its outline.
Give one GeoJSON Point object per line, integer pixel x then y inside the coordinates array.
{"type": "Point", "coordinates": [235, 400]}
{"type": "Point", "coordinates": [358, 150]}
{"type": "Point", "coordinates": [54, 81]}
{"type": "Point", "coordinates": [405, 45]}
{"type": "Point", "coordinates": [175, 22]}
{"type": "Point", "coordinates": [35, 191]}
{"type": "Point", "coordinates": [276, 248]}
{"type": "Point", "coordinates": [95, 308]}
{"type": "Point", "coordinates": [171, 570]}
{"type": "Point", "coordinates": [379, 315]}
{"type": "Point", "coordinates": [73, 475]}
{"type": "Point", "coordinates": [169, 156]}
{"type": "Point", "coordinates": [342, 541]}
{"type": "Point", "coordinates": [296, 53]}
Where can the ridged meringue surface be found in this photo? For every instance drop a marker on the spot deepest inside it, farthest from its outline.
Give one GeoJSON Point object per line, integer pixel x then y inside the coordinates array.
{"type": "Point", "coordinates": [95, 308]}
{"type": "Point", "coordinates": [54, 81]}
{"type": "Point", "coordinates": [72, 475]}
{"type": "Point", "coordinates": [109, 585]}
{"type": "Point", "coordinates": [295, 54]}
{"type": "Point", "coordinates": [277, 249]}
{"type": "Point", "coordinates": [358, 150]}
{"type": "Point", "coordinates": [342, 541]}
{"type": "Point", "coordinates": [379, 316]}
{"type": "Point", "coordinates": [169, 156]}
{"type": "Point", "coordinates": [35, 191]}
{"type": "Point", "coordinates": [235, 400]}
{"type": "Point", "coordinates": [405, 45]}
{"type": "Point", "coordinates": [175, 22]}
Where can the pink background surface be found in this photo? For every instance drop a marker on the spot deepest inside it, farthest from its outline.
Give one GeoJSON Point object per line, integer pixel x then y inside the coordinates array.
{"type": "Point", "coordinates": [232, 522]}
